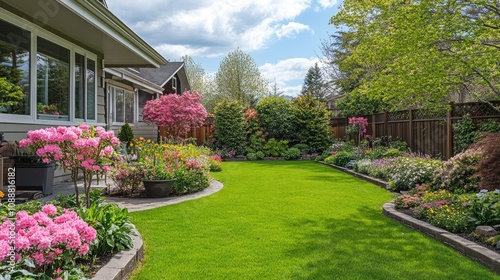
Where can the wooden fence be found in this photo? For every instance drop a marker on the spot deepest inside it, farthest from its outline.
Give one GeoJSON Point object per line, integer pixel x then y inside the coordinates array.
{"type": "Point", "coordinates": [201, 134]}
{"type": "Point", "coordinates": [424, 131]}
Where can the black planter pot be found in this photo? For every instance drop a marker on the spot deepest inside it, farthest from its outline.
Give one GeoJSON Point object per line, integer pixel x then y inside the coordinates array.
{"type": "Point", "coordinates": [33, 174]}
{"type": "Point", "coordinates": [159, 188]}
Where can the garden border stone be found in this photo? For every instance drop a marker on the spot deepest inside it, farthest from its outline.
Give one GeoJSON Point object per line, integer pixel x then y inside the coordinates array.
{"type": "Point", "coordinates": [375, 181]}
{"type": "Point", "coordinates": [467, 248]}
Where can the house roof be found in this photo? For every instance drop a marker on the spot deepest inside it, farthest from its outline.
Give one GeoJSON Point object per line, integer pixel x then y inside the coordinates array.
{"type": "Point", "coordinates": [159, 76]}
{"type": "Point", "coordinates": [90, 24]}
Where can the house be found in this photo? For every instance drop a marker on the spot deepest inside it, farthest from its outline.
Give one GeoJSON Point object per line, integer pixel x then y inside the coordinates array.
{"type": "Point", "coordinates": [52, 59]}
{"type": "Point", "coordinates": [130, 88]}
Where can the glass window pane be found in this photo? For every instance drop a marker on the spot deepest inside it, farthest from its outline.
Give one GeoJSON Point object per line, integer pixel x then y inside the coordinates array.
{"type": "Point", "coordinates": [91, 92]}
{"type": "Point", "coordinates": [119, 105]}
{"type": "Point", "coordinates": [14, 69]}
{"type": "Point", "coordinates": [143, 98]}
{"type": "Point", "coordinates": [129, 107]}
{"type": "Point", "coordinates": [79, 86]}
{"type": "Point", "coordinates": [52, 80]}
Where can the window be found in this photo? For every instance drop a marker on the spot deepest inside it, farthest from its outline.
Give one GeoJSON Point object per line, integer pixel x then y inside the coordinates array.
{"type": "Point", "coordinates": [174, 83]}
{"type": "Point", "coordinates": [85, 93]}
{"type": "Point", "coordinates": [143, 98]}
{"type": "Point", "coordinates": [14, 69]}
{"type": "Point", "coordinates": [123, 105]}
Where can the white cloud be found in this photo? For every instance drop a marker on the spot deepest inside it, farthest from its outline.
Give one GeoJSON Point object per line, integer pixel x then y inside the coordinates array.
{"type": "Point", "coordinates": [325, 4]}
{"type": "Point", "coordinates": [290, 29]}
{"type": "Point", "coordinates": [285, 72]}
{"type": "Point", "coordinates": [210, 28]}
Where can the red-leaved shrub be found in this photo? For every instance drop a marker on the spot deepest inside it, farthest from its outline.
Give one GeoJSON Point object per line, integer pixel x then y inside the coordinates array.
{"type": "Point", "coordinates": [489, 166]}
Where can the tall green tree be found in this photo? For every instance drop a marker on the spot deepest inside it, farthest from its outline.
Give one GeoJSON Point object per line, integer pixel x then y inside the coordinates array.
{"type": "Point", "coordinates": [195, 74]}
{"type": "Point", "coordinates": [275, 116]}
{"type": "Point", "coordinates": [239, 78]}
{"type": "Point", "coordinates": [423, 53]}
{"type": "Point", "coordinates": [314, 84]}
{"type": "Point", "coordinates": [230, 126]}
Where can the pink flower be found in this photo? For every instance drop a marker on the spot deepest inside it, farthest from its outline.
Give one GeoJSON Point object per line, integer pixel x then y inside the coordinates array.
{"type": "Point", "coordinates": [82, 251]}
{"type": "Point", "coordinates": [4, 249]}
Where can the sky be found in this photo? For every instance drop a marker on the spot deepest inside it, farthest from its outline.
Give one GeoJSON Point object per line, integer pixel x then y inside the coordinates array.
{"type": "Point", "coordinates": [282, 36]}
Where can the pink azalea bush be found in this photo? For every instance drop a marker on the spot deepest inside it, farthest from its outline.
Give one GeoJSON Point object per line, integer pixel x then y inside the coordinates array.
{"type": "Point", "coordinates": [78, 149]}
{"type": "Point", "coordinates": [49, 239]}
{"type": "Point", "coordinates": [358, 126]}
{"type": "Point", "coordinates": [176, 113]}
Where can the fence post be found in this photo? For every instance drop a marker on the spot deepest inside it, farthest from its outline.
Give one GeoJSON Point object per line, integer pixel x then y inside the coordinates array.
{"type": "Point", "coordinates": [374, 127]}
{"type": "Point", "coordinates": [449, 132]}
{"type": "Point", "coordinates": [410, 132]}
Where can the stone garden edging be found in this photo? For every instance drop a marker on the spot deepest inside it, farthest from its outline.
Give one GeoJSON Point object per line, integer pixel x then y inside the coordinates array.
{"type": "Point", "coordinates": [470, 249]}
{"type": "Point", "coordinates": [467, 248]}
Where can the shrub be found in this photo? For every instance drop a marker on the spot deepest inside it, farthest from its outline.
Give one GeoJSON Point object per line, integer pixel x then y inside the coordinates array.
{"type": "Point", "coordinates": [127, 178]}
{"type": "Point", "coordinates": [215, 163]}
{"type": "Point", "coordinates": [255, 136]}
{"type": "Point", "coordinates": [47, 240]}
{"type": "Point", "coordinates": [485, 208]}
{"type": "Point", "coordinates": [410, 171]}
{"type": "Point", "coordinates": [251, 156]}
{"type": "Point", "coordinates": [458, 174]}
{"type": "Point", "coordinates": [113, 226]}
{"type": "Point", "coordinates": [392, 153]}
{"type": "Point", "coordinates": [229, 123]}
{"type": "Point", "coordinates": [275, 114]}
{"type": "Point", "coordinates": [292, 153]}
{"type": "Point", "coordinates": [310, 122]}
{"type": "Point", "coordinates": [276, 148]}
{"type": "Point", "coordinates": [304, 148]}
{"type": "Point", "coordinates": [260, 155]}
{"type": "Point", "coordinates": [362, 166]}
{"type": "Point", "coordinates": [126, 135]}
{"type": "Point", "coordinates": [489, 165]}
{"type": "Point", "coordinates": [382, 168]}
{"type": "Point", "coordinates": [465, 133]}
{"type": "Point", "coordinates": [398, 144]}
{"type": "Point", "coordinates": [490, 126]}
{"type": "Point", "coordinates": [341, 158]}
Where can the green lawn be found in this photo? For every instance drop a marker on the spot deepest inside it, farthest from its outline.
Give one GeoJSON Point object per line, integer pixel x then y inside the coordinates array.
{"type": "Point", "coordinates": [291, 220]}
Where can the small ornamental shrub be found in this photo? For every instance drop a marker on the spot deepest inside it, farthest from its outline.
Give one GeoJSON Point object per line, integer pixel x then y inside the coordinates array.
{"type": "Point", "coordinates": [398, 144]}
{"type": "Point", "coordinates": [489, 166]}
{"type": "Point", "coordinates": [304, 148]}
{"type": "Point", "coordinates": [50, 240]}
{"type": "Point", "coordinates": [341, 158]}
{"type": "Point", "coordinates": [260, 155]}
{"type": "Point", "coordinates": [362, 166]}
{"type": "Point", "coordinates": [255, 136]}
{"type": "Point", "coordinates": [459, 173]}
{"type": "Point", "coordinates": [275, 148]}
{"type": "Point", "coordinates": [451, 217]}
{"type": "Point", "coordinates": [251, 156]}
{"type": "Point", "coordinates": [485, 208]}
{"type": "Point", "coordinates": [292, 153]}
{"type": "Point", "coordinates": [410, 171]}
{"type": "Point", "coordinates": [392, 153]}
{"type": "Point", "coordinates": [126, 135]}
{"type": "Point", "coordinates": [464, 134]}
{"type": "Point", "coordinates": [407, 201]}
{"type": "Point", "coordinates": [215, 163]}
{"type": "Point", "coordinates": [127, 178]}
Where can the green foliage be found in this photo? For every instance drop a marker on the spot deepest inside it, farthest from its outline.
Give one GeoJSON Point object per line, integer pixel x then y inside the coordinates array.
{"type": "Point", "coordinates": [11, 95]}
{"type": "Point", "coordinates": [238, 78]}
{"type": "Point", "coordinates": [260, 155]}
{"type": "Point", "coordinates": [459, 173]}
{"type": "Point", "coordinates": [465, 133]}
{"type": "Point", "coordinates": [485, 209]}
{"type": "Point", "coordinates": [392, 153]}
{"type": "Point", "coordinates": [304, 148]}
{"type": "Point", "coordinates": [113, 226]}
{"type": "Point", "coordinates": [341, 158]}
{"type": "Point", "coordinates": [126, 134]}
{"type": "Point", "coordinates": [292, 153]}
{"type": "Point", "coordinates": [409, 172]}
{"type": "Point", "coordinates": [418, 53]}
{"type": "Point", "coordinates": [229, 123]}
{"type": "Point", "coordinates": [69, 201]}
{"type": "Point", "coordinates": [314, 84]}
{"type": "Point", "coordinates": [490, 125]}
{"type": "Point", "coordinates": [275, 115]}
{"type": "Point", "coordinates": [310, 122]}
{"type": "Point", "coordinates": [359, 104]}
{"type": "Point", "coordinates": [362, 166]}
{"type": "Point", "coordinates": [251, 156]}
{"type": "Point", "coordinates": [275, 148]}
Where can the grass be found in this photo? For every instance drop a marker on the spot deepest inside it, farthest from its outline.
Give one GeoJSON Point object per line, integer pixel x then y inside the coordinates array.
{"type": "Point", "coordinates": [291, 220]}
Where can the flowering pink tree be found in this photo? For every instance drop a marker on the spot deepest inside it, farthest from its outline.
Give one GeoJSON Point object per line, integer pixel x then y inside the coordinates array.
{"type": "Point", "coordinates": [78, 149]}
{"type": "Point", "coordinates": [358, 126]}
{"type": "Point", "coordinates": [176, 113]}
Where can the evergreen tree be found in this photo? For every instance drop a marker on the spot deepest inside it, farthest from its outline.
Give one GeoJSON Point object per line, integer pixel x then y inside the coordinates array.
{"type": "Point", "coordinates": [314, 84]}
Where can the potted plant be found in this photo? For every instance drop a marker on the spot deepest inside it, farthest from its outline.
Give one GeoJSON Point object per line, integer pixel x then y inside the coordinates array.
{"type": "Point", "coordinates": [159, 178]}
{"type": "Point", "coordinates": [32, 172]}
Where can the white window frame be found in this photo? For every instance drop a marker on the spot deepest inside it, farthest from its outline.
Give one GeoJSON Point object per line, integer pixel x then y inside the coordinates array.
{"type": "Point", "coordinates": [174, 83]}
{"type": "Point", "coordinates": [35, 32]}
{"type": "Point", "coordinates": [86, 56]}
{"type": "Point", "coordinates": [112, 94]}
